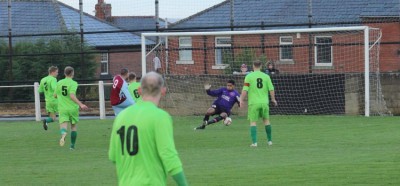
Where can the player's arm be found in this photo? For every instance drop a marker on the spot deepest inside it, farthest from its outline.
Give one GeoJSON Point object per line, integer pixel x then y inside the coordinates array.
{"type": "Point", "coordinates": [41, 88]}
{"type": "Point", "coordinates": [214, 93]}
{"type": "Point", "coordinates": [125, 91]}
{"type": "Point", "coordinates": [238, 100]}
{"type": "Point", "coordinates": [243, 95]}
{"type": "Point", "coordinates": [271, 90]}
{"type": "Point", "coordinates": [166, 149]}
{"type": "Point", "coordinates": [74, 98]}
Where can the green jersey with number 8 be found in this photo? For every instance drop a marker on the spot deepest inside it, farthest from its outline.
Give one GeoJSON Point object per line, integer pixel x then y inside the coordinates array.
{"type": "Point", "coordinates": [258, 84]}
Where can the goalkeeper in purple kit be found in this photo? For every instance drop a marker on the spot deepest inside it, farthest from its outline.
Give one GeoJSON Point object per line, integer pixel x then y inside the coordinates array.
{"type": "Point", "coordinates": [226, 98]}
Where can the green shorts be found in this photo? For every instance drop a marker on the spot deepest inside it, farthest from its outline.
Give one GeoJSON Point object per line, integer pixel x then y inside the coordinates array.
{"type": "Point", "coordinates": [52, 107]}
{"type": "Point", "coordinates": [71, 116]}
{"type": "Point", "coordinates": [257, 111]}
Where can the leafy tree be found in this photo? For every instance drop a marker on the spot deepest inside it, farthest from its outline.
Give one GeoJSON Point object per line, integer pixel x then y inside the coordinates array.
{"type": "Point", "coordinates": [28, 65]}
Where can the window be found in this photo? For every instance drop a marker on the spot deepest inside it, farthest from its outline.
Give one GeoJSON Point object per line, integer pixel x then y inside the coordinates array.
{"type": "Point", "coordinates": [286, 48]}
{"type": "Point", "coordinates": [323, 51]}
{"type": "Point", "coordinates": [104, 63]}
{"type": "Point", "coordinates": [223, 51]}
{"type": "Point", "coordinates": [185, 48]}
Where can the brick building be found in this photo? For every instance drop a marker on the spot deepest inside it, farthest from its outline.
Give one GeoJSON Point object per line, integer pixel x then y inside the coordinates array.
{"type": "Point", "coordinates": [290, 14]}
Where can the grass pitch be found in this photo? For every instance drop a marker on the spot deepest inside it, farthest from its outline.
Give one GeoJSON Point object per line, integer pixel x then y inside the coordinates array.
{"type": "Point", "coordinates": [307, 150]}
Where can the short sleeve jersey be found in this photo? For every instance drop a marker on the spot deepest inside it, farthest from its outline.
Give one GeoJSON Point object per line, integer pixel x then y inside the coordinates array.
{"type": "Point", "coordinates": [47, 86]}
{"type": "Point", "coordinates": [258, 85]}
{"type": "Point", "coordinates": [64, 89]}
{"type": "Point", "coordinates": [117, 92]}
{"type": "Point", "coordinates": [133, 90]}
{"type": "Point", "coordinates": [142, 146]}
{"type": "Point", "coordinates": [226, 98]}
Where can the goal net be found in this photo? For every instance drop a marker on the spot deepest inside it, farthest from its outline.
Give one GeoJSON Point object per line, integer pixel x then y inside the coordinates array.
{"type": "Point", "coordinates": [321, 71]}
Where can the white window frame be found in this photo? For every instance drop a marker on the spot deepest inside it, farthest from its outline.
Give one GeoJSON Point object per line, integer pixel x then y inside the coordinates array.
{"type": "Point", "coordinates": [281, 43]}
{"type": "Point", "coordinates": [104, 59]}
{"type": "Point", "coordinates": [182, 53]}
{"type": "Point", "coordinates": [316, 52]}
{"type": "Point", "coordinates": [220, 65]}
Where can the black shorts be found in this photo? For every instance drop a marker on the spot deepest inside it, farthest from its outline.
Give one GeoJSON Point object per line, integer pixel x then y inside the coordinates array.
{"type": "Point", "coordinates": [219, 110]}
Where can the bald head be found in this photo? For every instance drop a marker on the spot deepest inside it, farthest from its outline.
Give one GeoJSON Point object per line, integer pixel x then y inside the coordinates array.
{"type": "Point", "coordinates": [152, 84]}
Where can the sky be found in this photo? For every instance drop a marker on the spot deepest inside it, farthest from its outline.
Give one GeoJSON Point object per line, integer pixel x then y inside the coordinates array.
{"type": "Point", "coordinates": [171, 9]}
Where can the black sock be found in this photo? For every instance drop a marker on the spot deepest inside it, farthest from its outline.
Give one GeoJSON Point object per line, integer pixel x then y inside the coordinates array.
{"type": "Point", "coordinates": [215, 120]}
{"type": "Point", "coordinates": [206, 118]}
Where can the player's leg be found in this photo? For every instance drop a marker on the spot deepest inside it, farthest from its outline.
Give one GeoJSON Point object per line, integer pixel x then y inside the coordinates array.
{"type": "Point", "coordinates": [221, 116]}
{"type": "Point", "coordinates": [268, 127]}
{"type": "Point", "coordinates": [210, 112]}
{"type": "Point", "coordinates": [51, 109]}
{"type": "Point", "coordinates": [63, 120]}
{"type": "Point", "coordinates": [253, 115]}
{"type": "Point", "coordinates": [74, 127]}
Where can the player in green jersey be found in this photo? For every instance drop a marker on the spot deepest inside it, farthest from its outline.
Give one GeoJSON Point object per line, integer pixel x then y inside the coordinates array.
{"type": "Point", "coordinates": [47, 86]}
{"type": "Point", "coordinates": [142, 143]}
{"type": "Point", "coordinates": [68, 106]}
{"type": "Point", "coordinates": [134, 87]}
{"type": "Point", "coordinates": [257, 85]}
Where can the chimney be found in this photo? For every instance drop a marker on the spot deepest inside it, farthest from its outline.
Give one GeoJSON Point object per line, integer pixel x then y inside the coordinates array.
{"type": "Point", "coordinates": [103, 10]}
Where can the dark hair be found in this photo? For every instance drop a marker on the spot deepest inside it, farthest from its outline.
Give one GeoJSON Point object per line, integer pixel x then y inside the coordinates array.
{"type": "Point", "coordinates": [132, 76]}
{"type": "Point", "coordinates": [124, 71]}
{"type": "Point", "coordinates": [257, 63]}
{"type": "Point", "coordinates": [231, 81]}
{"type": "Point", "coordinates": [68, 71]}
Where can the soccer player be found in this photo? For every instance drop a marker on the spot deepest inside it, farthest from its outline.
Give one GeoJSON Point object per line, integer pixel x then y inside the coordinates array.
{"type": "Point", "coordinates": [142, 142]}
{"type": "Point", "coordinates": [226, 98]}
{"type": "Point", "coordinates": [120, 96]}
{"type": "Point", "coordinates": [257, 85]}
{"type": "Point", "coordinates": [68, 106]}
{"type": "Point", "coordinates": [134, 87]}
{"type": "Point", "coordinates": [47, 86]}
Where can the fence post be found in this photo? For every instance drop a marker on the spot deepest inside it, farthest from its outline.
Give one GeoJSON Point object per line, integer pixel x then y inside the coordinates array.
{"type": "Point", "coordinates": [102, 100]}
{"type": "Point", "coordinates": [37, 101]}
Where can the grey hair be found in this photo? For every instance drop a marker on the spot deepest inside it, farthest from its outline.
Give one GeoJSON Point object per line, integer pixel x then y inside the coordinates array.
{"type": "Point", "coordinates": [151, 84]}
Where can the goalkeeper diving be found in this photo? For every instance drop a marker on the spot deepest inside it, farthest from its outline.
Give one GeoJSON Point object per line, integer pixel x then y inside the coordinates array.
{"type": "Point", "coordinates": [226, 99]}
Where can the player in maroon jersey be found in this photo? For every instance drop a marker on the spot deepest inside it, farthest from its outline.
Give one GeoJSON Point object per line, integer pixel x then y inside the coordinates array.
{"type": "Point", "coordinates": [120, 96]}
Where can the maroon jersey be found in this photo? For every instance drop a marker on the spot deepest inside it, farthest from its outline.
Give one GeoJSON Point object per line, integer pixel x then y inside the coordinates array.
{"type": "Point", "coordinates": [117, 92]}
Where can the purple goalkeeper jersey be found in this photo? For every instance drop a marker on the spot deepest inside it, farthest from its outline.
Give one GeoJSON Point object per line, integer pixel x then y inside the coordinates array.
{"type": "Point", "coordinates": [226, 99]}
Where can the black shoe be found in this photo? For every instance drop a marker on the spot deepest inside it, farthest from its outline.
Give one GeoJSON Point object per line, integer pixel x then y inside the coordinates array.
{"type": "Point", "coordinates": [44, 124]}
{"type": "Point", "coordinates": [200, 127]}
{"type": "Point", "coordinates": [203, 126]}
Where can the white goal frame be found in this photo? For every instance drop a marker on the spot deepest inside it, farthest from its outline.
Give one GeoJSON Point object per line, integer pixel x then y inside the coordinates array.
{"type": "Point", "coordinates": [365, 30]}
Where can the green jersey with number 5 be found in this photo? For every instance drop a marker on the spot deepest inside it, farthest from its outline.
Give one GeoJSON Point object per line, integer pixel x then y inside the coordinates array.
{"type": "Point", "coordinates": [64, 89]}
{"type": "Point", "coordinates": [258, 84]}
{"type": "Point", "coordinates": [133, 89]}
{"type": "Point", "coordinates": [142, 146]}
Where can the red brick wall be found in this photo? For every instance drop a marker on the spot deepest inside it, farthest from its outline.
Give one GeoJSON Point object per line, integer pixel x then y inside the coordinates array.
{"type": "Point", "coordinates": [389, 53]}
{"type": "Point", "coordinates": [116, 61]}
{"type": "Point", "coordinates": [345, 58]}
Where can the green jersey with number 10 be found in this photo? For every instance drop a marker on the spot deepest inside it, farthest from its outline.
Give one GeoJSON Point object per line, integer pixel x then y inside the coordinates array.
{"type": "Point", "coordinates": [142, 146]}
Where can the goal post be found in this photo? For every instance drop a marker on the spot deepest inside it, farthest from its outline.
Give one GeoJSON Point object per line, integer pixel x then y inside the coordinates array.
{"type": "Point", "coordinates": [332, 70]}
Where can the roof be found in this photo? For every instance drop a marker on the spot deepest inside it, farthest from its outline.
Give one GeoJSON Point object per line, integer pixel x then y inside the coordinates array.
{"type": "Point", "coordinates": [137, 22]}
{"type": "Point", "coordinates": [253, 12]}
{"type": "Point", "coordinates": [34, 17]}
{"type": "Point", "coordinates": [93, 24]}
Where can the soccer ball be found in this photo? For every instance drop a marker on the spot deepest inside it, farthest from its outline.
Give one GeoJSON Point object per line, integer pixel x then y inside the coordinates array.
{"type": "Point", "coordinates": [227, 121]}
